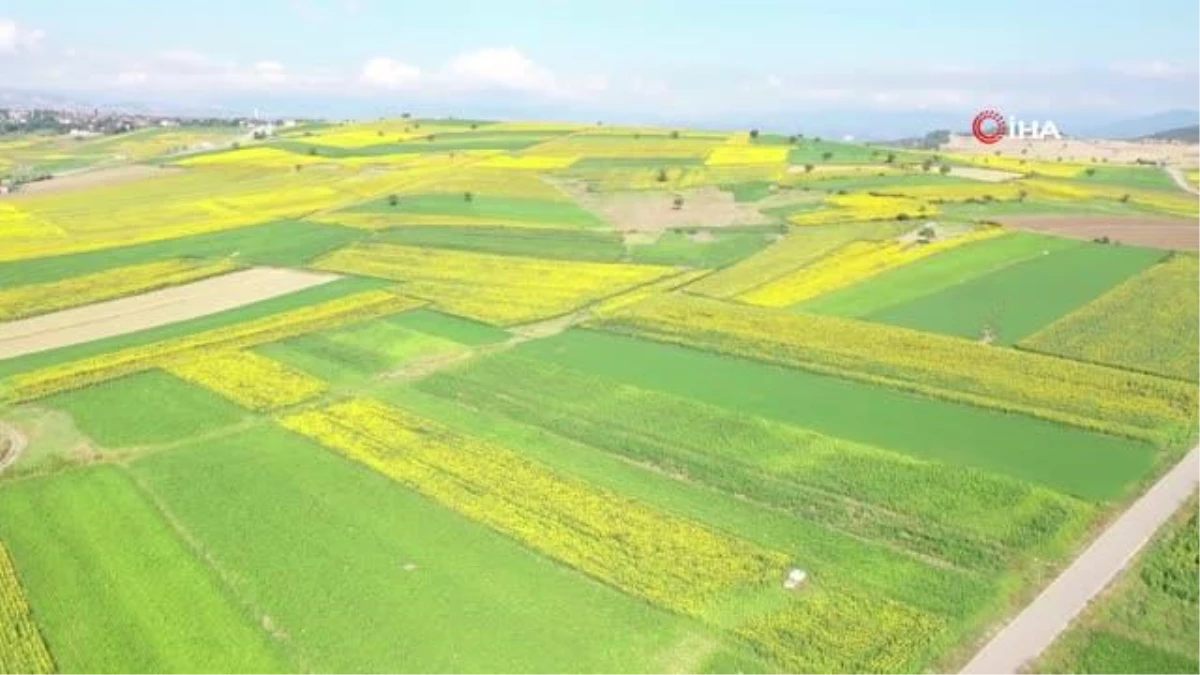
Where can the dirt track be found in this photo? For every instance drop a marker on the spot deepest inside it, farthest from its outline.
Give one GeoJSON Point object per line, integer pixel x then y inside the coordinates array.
{"type": "Point", "coordinates": [94, 178]}
{"type": "Point", "coordinates": [148, 310]}
{"type": "Point", "coordinates": [1035, 628]}
{"type": "Point", "coordinates": [1154, 231]}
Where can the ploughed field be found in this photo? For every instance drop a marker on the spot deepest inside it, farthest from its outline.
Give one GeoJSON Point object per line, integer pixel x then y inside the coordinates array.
{"type": "Point", "coordinates": [460, 396]}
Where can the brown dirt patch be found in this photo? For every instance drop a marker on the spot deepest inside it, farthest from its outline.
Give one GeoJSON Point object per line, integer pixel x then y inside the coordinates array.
{"type": "Point", "coordinates": [148, 310]}
{"type": "Point", "coordinates": [12, 442]}
{"type": "Point", "coordinates": [95, 178]}
{"type": "Point", "coordinates": [1152, 231]}
{"type": "Point", "coordinates": [655, 211]}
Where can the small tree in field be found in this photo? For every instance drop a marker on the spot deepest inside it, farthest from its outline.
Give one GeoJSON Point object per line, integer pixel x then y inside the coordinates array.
{"type": "Point", "coordinates": [312, 151]}
{"type": "Point", "coordinates": [1090, 171]}
{"type": "Point", "coordinates": [754, 134]}
{"type": "Point", "coordinates": [662, 176]}
{"type": "Point", "coordinates": [808, 168]}
{"type": "Point", "coordinates": [891, 157]}
{"type": "Point", "coordinates": [944, 169]}
{"type": "Point", "coordinates": [927, 165]}
{"type": "Point", "coordinates": [677, 203]}
{"type": "Point", "coordinates": [674, 134]}
{"type": "Point", "coordinates": [393, 200]}
{"type": "Point", "coordinates": [826, 155]}
{"type": "Point", "coordinates": [468, 197]}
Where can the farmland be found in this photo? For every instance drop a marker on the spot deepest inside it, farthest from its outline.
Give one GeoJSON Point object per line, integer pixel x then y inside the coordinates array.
{"type": "Point", "coordinates": [533, 396]}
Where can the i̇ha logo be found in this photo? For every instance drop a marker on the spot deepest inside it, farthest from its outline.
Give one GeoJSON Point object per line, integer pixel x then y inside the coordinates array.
{"type": "Point", "coordinates": [989, 127]}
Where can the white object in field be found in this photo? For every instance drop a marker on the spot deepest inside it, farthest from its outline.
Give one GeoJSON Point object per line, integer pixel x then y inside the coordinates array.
{"type": "Point", "coordinates": [794, 579]}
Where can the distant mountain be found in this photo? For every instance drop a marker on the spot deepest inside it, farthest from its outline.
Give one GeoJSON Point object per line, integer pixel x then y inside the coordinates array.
{"type": "Point", "coordinates": [1188, 134]}
{"type": "Point", "coordinates": [1142, 126]}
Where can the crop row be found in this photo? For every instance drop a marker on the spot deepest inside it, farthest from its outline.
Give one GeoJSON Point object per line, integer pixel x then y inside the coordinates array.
{"type": "Point", "coordinates": [21, 301]}
{"type": "Point", "coordinates": [494, 288]}
{"type": "Point", "coordinates": [1148, 323]}
{"type": "Point", "coordinates": [853, 263]}
{"type": "Point", "coordinates": [961, 515]}
{"type": "Point", "coordinates": [22, 649]}
{"type": "Point", "coordinates": [865, 206]}
{"type": "Point", "coordinates": [89, 371]}
{"type": "Point", "coordinates": [250, 380]}
{"type": "Point", "coordinates": [833, 630]}
{"type": "Point", "coordinates": [669, 561]}
{"type": "Point", "coordinates": [1095, 397]}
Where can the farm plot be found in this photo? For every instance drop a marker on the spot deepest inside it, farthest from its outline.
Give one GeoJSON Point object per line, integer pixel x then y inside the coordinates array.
{"type": "Point", "coordinates": [22, 649]}
{"type": "Point", "coordinates": [388, 570]}
{"type": "Point", "coordinates": [1009, 304]}
{"type": "Point", "coordinates": [668, 561]}
{"type": "Point", "coordinates": [461, 208]}
{"type": "Point", "coordinates": [148, 310]}
{"type": "Point", "coordinates": [250, 380]}
{"type": "Point", "coordinates": [1147, 621]}
{"type": "Point", "coordinates": [153, 607]}
{"type": "Point", "coordinates": [965, 517]}
{"type": "Point", "coordinates": [1148, 323]}
{"type": "Point", "coordinates": [572, 244]}
{"type": "Point", "coordinates": [924, 428]}
{"type": "Point", "coordinates": [852, 263]}
{"type": "Point", "coordinates": [109, 365]}
{"type": "Point", "coordinates": [27, 300]}
{"type": "Point", "coordinates": [503, 290]}
{"type": "Point", "coordinates": [903, 284]}
{"type": "Point", "coordinates": [1089, 396]}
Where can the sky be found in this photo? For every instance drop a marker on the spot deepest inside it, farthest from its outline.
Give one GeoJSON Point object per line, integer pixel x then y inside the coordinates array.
{"type": "Point", "coordinates": [648, 60]}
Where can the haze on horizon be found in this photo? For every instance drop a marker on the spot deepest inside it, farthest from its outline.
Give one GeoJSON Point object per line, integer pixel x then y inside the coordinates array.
{"type": "Point", "coordinates": [860, 63]}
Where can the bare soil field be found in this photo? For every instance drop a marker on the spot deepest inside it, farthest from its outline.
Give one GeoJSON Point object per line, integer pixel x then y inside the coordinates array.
{"type": "Point", "coordinates": [1081, 150]}
{"type": "Point", "coordinates": [985, 175]}
{"type": "Point", "coordinates": [1153, 231]}
{"type": "Point", "coordinates": [656, 212]}
{"type": "Point", "coordinates": [148, 310]}
{"type": "Point", "coordinates": [96, 178]}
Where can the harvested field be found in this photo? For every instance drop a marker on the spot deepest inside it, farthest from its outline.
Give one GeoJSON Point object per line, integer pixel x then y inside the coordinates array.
{"type": "Point", "coordinates": [985, 175]}
{"type": "Point", "coordinates": [97, 178]}
{"type": "Point", "coordinates": [139, 312]}
{"type": "Point", "coordinates": [656, 212]}
{"type": "Point", "coordinates": [1153, 231]}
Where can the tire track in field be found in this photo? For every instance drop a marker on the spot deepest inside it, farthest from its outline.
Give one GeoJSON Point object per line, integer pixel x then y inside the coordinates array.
{"type": "Point", "coordinates": [1051, 613]}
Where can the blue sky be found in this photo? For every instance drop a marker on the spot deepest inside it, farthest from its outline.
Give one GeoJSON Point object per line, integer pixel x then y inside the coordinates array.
{"type": "Point", "coordinates": [618, 57]}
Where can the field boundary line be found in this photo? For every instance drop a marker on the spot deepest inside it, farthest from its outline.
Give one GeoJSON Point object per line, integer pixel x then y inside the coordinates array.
{"type": "Point", "coordinates": [1037, 626]}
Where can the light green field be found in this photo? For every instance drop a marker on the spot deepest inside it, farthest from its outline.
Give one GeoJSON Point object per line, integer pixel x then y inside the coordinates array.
{"type": "Point", "coordinates": [115, 587]}
{"type": "Point", "coordinates": [1016, 300]}
{"type": "Point", "coordinates": [385, 570]}
{"type": "Point", "coordinates": [931, 275]}
{"type": "Point", "coordinates": [939, 430]}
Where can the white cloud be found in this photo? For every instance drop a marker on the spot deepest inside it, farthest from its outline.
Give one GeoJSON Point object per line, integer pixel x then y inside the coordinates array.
{"type": "Point", "coordinates": [389, 74]}
{"type": "Point", "coordinates": [1148, 69]}
{"type": "Point", "coordinates": [270, 71]}
{"type": "Point", "coordinates": [14, 37]}
{"type": "Point", "coordinates": [774, 82]}
{"type": "Point", "coordinates": [499, 68]}
{"type": "Point", "coordinates": [131, 78]}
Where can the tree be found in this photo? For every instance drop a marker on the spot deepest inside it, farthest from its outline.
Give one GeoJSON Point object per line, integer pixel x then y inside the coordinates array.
{"type": "Point", "coordinates": [827, 155]}
{"type": "Point", "coordinates": [944, 169]}
{"type": "Point", "coordinates": [1022, 194]}
{"type": "Point", "coordinates": [754, 134]}
{"type": "Point", "coordinates": [235, 145]}
{"type": "Point", "coordinates": [379, 133]}
{"type": "Point", "coordinates": [297, 167]}
{"type": "Point", "coordinates": [406, 115]}
{"type": "Point", "coordinates": [393, 200]}
{"type": "Point", "coordinates": [891, 157]}
{"type": "Point", "coordinates": [430, 137]}
{"type": "Point", "coordinates": [1124, 198]}
{"type": "Point", "coordinates": [468, 197]}
{"type": "Point", "coordinates": [662, 176]}
{"type": "Point", "coordinates": [674, 134]}
{"type": "Point", "coordinates": [312, 151]}
{"type": "Point", "coordinates": [1091, 171]}
{"type": "Point", "coordinates": [792, 140]}
{"type": "Point", "coordinates": [808, 168]}
{"type": "Point", "coordinates": [927, 165]}
{"type": "Point", "coordinates": [677, 203]}
{"type": "Point", "coordinates": [474, 126]}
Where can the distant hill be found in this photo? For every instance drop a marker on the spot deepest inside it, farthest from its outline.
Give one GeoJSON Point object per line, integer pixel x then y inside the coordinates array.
{"type": "Point", "coordinates": [1138, 127]}
{"type": "Point", "coordinates": [1188, 134]}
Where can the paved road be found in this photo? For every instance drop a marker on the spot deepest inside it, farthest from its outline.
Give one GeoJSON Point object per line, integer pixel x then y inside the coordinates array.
{"type": "Point", "coordinates": [1177, 176]}
{"type": "Point", "coordinates": [1041, 622]}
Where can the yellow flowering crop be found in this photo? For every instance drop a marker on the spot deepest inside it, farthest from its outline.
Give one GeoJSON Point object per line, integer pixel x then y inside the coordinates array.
{"type": "Point", "coordinates": [88, 371]}
{"type": "Point", "coordinates": [667, 560]}
{"type": "Point", "coordinates": [1082, 394]}
{"type": "Point", "coordinates": [747, 154]}
{"type": "Point", "coordinates": [22, 649]}
{"type": "Point", "coordinates": [529, 162]}
{"type": "Point", "coordinates": [258, 156]}
{"type": "Point", "coordinates": [1123, 328]}
{"type": "Point", "coordinates": [253, 381]}
{"type": "Point", "coordinates": [839, 630]}
{"type": "Point", "coordinates": [853, 263]}
{"type": "Point", "coordinates": [498, 289]}
{"type": "Point", "coordinates": [864, 206]}
{"type": "Point", "coordinates": [20, 301]}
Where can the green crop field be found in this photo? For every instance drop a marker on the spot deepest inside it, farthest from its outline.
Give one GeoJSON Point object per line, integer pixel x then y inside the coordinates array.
{"type": "Point", "coordinates": [573, 396]}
